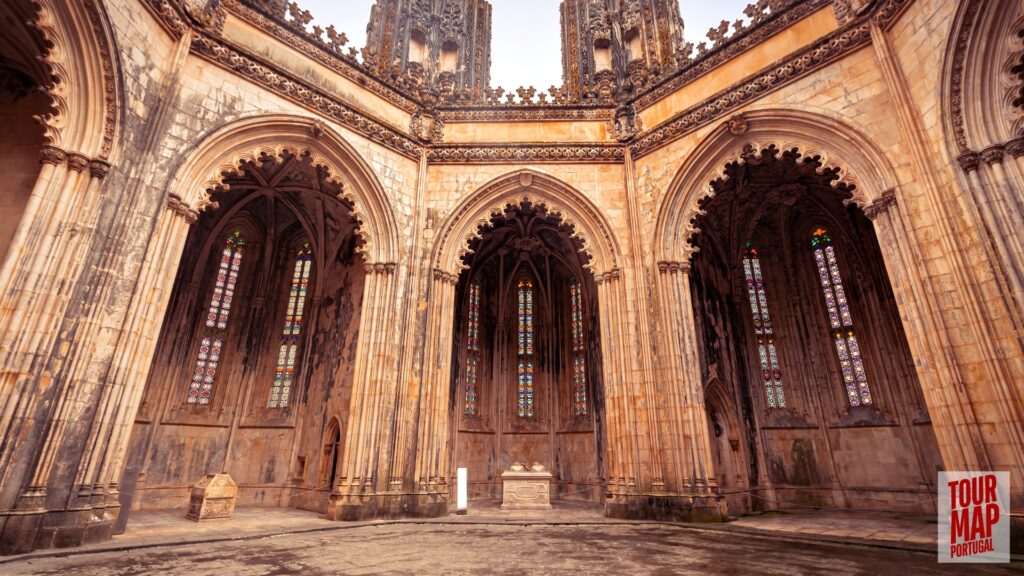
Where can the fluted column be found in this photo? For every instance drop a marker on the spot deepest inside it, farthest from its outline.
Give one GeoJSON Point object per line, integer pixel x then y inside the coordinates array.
{"type": "Point", "coordinates": [40, 274]}
{"type": "Point", "coordinates": [948, 400]}
{"type": "Point", "coordinates": [694, 472]}
{"type": "Point", "coordinates": [433, 457]}
{"type": "Point", "coordinates": [133, 355]}
{"type": "Point", "coordinates": [995, 197]}
{"type": "Point", "coordinates": [617, 357]}
{"type": "Point", "coordinates": [368, 415]}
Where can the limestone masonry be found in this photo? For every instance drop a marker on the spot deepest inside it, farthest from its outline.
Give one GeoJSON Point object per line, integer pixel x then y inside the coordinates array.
{"type": "Point", "coordinates": [781, 268]}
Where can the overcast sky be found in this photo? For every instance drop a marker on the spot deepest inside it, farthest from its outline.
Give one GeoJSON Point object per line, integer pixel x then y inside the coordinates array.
{"type": "Point", "coordinates": [526, 47]}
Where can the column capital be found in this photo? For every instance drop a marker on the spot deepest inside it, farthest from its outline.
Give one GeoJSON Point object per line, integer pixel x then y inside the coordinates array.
{"type": "Point", "coordinates": [992, 155]}
{"type": "Point", "coordinates": [50, 154]}
{"type": "Point", "coordinates": [379, 267]}
{"type": "Point", "coordinates": [99, 169]}
{"type": "Point", "coordinates": [608, 276]}
{"type": "Point", "coordinates": [670, 267]}
{"type": "Point", "coordinates": [445, 277]}
{"type": "Point", "coordinates": [77, 162]}
{"type": "Point", "coordinates": [881, 204]}
{"type": "Point", "coordinates": [1015, 147]}
{"type": "Point", "coordinates": [178, 206]}
{"type": "Point", "coordinates": [968, 161]}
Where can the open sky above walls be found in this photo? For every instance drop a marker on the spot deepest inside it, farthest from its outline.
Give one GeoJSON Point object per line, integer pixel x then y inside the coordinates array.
{"type": "Point", "coordinates": [526, 49]}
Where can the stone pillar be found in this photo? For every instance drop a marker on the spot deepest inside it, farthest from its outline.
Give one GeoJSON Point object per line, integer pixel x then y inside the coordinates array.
{"type": "Point", "coordinates": [40, 402]}
{"type": "Point", "coordinates": [434, 419]}
{"type": "Point", "coordinates": [994, 196]}
{"type": "Point", "coordinates": [948, 400]}
{"type": "Point", "coordinates": [682, 377]}
{"type": "Point", "coordinates": [356, 496]}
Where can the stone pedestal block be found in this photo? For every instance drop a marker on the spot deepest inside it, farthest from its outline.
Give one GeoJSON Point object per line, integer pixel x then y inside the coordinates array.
{"type": "Point", "coordinates": [213, 497]}
{"type": "Point", "coordinates": [524, 489]}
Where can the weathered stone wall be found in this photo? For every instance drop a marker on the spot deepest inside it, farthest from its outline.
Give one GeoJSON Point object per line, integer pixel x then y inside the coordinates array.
{"type": "Point", "coordinates": [177, 97]}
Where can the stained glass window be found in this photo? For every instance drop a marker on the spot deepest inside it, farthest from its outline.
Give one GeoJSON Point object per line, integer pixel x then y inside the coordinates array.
{"type": "Point", "coordinates": [851, 363]}
{"type": "Point", "coordinates": [211, 342]}
{"type": "Point", "coordinates": [525, 355]}
{"type": "Point", "coordinates": [472, 347]}
{"type": "Point", "coordinates": [284, 375]}
{"type": "Point", "coordinates": [771, 374]}
{"type": "Point", "coordinates": [579, 360]}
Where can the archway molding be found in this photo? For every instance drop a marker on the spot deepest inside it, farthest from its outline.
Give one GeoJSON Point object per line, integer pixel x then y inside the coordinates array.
{"type": "Point", "coordinates": [541, 190]}
{"type": "Point", "coordinates": [837, 146]}
{"type": "Point", "coordinates": [981, 86]}
{"type": "Point", "coordinates": [199, 178]}
{"type": "Point", "coordinates": [85, 89]}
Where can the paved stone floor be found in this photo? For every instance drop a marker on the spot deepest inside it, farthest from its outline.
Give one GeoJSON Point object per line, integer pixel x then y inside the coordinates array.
{"type": "Point", "coordinates": [453, 549]}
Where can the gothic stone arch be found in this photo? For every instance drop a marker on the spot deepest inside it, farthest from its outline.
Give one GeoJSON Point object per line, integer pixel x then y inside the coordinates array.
{"type": "Point", "coordinates": [198, 178]}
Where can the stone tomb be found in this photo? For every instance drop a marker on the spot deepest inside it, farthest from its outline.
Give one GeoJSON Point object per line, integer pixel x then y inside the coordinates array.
{"type": "Point", "coordinates": [524, 489]}
{"type": "Point", "coordinates": [213, 497]}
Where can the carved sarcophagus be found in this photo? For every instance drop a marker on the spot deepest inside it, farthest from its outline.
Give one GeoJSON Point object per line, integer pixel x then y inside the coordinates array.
{"type": "Point", "coordinates": [524, 489]}
{"type": "Point", "coordinates": [213, 497]}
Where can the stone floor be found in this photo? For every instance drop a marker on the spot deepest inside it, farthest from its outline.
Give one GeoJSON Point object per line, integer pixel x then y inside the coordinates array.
{"type": "Point", "coordinates": [513, 550]}
{"type": "Point", "coordinates": [572, 538]}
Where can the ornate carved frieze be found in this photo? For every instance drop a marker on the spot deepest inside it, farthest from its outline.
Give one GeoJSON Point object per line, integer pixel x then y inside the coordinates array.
{"type": "Point", "coordinates": [956, 105]}
{"type": "Point", "coordinates": [522, 153]}
{"type": "Point", "coordinates": [534, 113]}
{"type": "Point", "coordinates": [822, 52]}
{"type": "Point", "coordinates": [307, 95]}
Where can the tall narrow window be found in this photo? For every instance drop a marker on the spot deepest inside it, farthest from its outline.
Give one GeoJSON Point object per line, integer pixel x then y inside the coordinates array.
{"type": "Point", "coordinates": [771, 374]}
{"type": "Point", "coordinates": [284, 375]}
{"type": "Point", "coordinates": [525, 352]}
{"type": "Point", "coordinates": [579, 355]}
{"type": "Point", "coordinates": [211, 341]}
{"type": "Point", "coordinates": [472, 347]}
{"type": "Point", "coordinates": [851, 363]}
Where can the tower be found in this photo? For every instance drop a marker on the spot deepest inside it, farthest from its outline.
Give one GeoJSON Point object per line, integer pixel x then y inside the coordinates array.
{"type": "Point", "coordinates": [443, 44]}
{"type": "Point", "coordinates": [611, 46]}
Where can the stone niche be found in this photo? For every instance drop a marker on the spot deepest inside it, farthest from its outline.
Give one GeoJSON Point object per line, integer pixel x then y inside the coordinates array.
{"type": "Point", "coordinates": [212, 498]}
{"type": "Point", "coordinates": [524, 489]}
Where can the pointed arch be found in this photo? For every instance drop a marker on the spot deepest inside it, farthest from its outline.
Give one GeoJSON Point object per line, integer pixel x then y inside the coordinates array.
{"type": "Point", "coordinates": [539, 189]}
{"type": "Point", "coordinates": [837, 146]}
{"type": "Point", "coordinates": [199, 176]}
{"type": "Point", "coordinates": [981, 68]}
{"type": "Point", "coordinates": [86, 90]}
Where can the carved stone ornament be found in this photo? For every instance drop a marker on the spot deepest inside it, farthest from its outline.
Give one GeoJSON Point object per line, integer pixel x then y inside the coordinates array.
{"type": "Point", "coordinates": [737, 125]}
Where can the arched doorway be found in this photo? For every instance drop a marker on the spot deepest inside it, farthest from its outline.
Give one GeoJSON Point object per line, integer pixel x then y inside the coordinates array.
{"type": "Point", "coordinates": [526, 380]}
{"type": "Point", "coordinates": [256, 359]}
{"type": "Point", "coordinates": [792, 300]}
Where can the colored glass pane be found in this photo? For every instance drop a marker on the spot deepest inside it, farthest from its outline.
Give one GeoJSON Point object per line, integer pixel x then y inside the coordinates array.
{"type": "Point", "coordinates": [525, 341]}
{"type": "Point", "coordinates": [851, 363]}
{"type": "Point", "coordinates": [472, 347]}
{"type": "Point", "coordinates": [579, 371]}
{"type": "Point", "coordinates": [771, 373]}
{"type": "Point", "coordinates": [298, 291]}
{"type": "Point", "coordinates": [219, 311]}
